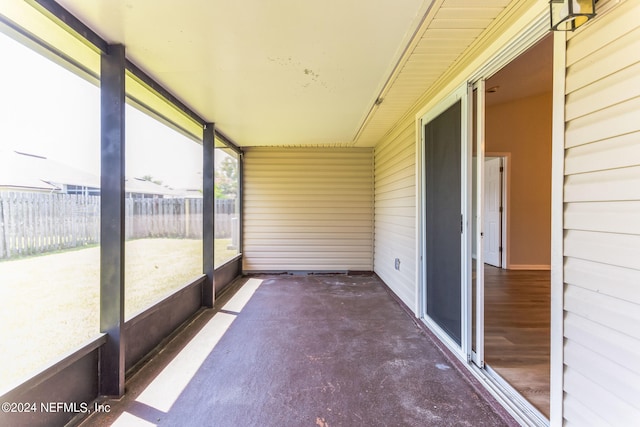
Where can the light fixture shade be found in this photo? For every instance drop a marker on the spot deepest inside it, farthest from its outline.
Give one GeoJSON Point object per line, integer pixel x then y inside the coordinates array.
{"type": "Point", "coordinates": [567, 15]}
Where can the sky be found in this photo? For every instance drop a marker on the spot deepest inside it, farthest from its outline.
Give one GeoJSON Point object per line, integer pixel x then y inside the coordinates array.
{"type": "Point", "coordinates": [48, 111]}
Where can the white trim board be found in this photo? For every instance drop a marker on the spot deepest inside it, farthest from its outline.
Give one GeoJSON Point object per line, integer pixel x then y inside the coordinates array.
{"type": "Point", "coordinates": [556, 392]}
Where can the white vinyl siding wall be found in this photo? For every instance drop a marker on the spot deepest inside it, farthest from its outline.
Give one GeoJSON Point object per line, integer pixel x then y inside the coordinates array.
{"type": "Point", "coordinates": [395, 212]}
{"type": "Point", "coordinates": [602, 221]}
{"type": "Point", "coordinates": [308, 209]}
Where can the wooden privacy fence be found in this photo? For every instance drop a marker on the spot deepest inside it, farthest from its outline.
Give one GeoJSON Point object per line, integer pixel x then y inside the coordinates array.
{"type": "Point", "coordinates": [224, 220]}
{"type": "Point", "coordinates": [174, 218]}
{"type": "Point", "coordinates": [32, 223]}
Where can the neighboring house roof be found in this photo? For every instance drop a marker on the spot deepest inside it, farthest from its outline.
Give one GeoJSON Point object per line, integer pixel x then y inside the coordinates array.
{"type": "Point", "coordinates": [23, 170]}
{"type": "Point", "coordinates": [30, 172]}
{"type": "Point", "coordinates": [143, 186]}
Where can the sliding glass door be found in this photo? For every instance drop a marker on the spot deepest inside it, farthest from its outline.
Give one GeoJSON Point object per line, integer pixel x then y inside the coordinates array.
{"type": "Point", "coordinates": [443, 227]}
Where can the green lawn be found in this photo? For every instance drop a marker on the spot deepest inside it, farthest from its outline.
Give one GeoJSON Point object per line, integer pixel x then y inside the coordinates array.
{"type": "Point", "coordinates": [49, 304]}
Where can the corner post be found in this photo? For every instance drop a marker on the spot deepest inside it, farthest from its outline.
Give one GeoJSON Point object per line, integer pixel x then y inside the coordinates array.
{"type": "Point", "coordinates": [208, 214]}
{"type": "Point", "coordinates": [112, 220]}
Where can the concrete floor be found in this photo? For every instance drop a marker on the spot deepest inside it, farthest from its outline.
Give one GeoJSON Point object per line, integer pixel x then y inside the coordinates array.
{"type": "Point", "coordinates": [317, 350]}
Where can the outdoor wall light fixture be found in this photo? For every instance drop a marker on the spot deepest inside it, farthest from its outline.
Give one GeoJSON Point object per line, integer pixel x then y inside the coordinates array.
{"type": "Point", "coordinates": [567, 15]}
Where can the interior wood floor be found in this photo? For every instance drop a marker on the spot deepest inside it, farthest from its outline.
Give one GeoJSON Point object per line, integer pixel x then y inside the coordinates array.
{"type": "Point", "coordinates": [517, 330]}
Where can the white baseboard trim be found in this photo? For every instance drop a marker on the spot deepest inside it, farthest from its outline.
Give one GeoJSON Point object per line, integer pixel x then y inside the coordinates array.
{"type": "Point", "coordinates": [529, 267]}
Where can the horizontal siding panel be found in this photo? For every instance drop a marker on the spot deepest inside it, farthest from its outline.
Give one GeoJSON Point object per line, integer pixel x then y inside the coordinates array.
{"type": "Point", "coordinates": [283, 154]}
{"type": "Point", "coordinates": [349, 236]}
{"type": "Point", "coordinates": [618, 282]}
{"type": "Point", "coordinates": [343, 209]}
{"type": "Point", "coordinates": [620, 348]}
{"type": "Point", "coordinates": [384, 151]}
{"type": "Point", "coordinates": [620, 250]}
{"type": "Point", "coordinates": [404, 211]}
{"type": "Point", "coordinates": [393, 221]}
{"type": "Point", "coordinates": [396, 233]}
{"type": "Point", "coordinates": [389, 227]}
{"type": "Point", "coordinates": [284, 170]}
{"type": "Point", "coordinates": [319, 219]}
{"type": "Point", "coordinates": [390, 220]}
{"type": "Point", "coordinates": [403, 160]}
{"type": "Point", "coordinates": [398, 195]}
{"type": "Point", "coordinates": [405, 240]}
{"type": "Point", "coordinates": [334, 165]}
{"type": "Point", "coordinates": [344, 243]}
{"type": "Point", "coordinates": [356, 193]}
{"type": "Point", "coordinates": [611, 90]}
{"type": "Point", "coordinates": [608, 217]}
{"type": "Point", "coordinates": [294, 258]}
{"type": "Point", "coordinates": [315, 198]}
{"type": "Point", "coordinates": [357, 197]}
{"type": "Point", "coordinates": [308, 209]}
{"type": "Point", "coordinates": [396, 182]}
{"type": "Point", "coordinates": [330, 229]}
{"type": "Point", "coordinates": [619, 54]}
{"type": "Point", "coordinates": [601, 220]}
{"type": "Point", "coordinates": [405, 156]}
{"type": "Point", "coordinates": [390, 202]}
{"type": "Point", "coordinates": [336, 225]}
{"type": "Point", "coordinates": [603, 31]}
{"type": "Point", "coordinates": [609, 185]}
{"type": "Point", "coordinates": [615, 378]}
{"type": "Point", "coordinates": [407, 170]}
{"type": "Point", "coordinates": [603, 124]}
{"type": "Point", "coordinates": [395, 211]}
{"type": "Point", "coordinates": [269, 157]}
{"type": "Point", "coordinates": [578, 415]}
{"type": "Point", "coordinates": [617, 152]}
{"type": "Point", "coordinates": [310, 176]}
{"type": "Point", "coordinates": [612, 410]}
{"type": "Point", "coordinates": [611, 312]}
{"type": "Point", "coordinates": [302, 247]}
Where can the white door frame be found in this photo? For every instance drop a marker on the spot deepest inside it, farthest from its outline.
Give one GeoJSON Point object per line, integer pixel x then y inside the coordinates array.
{"type": "Point", "coordinates": [479, 120]}
{"type": "Point", "coordinates": [518, 404]}
{"type": "Point", "coordinates": [460, 94]}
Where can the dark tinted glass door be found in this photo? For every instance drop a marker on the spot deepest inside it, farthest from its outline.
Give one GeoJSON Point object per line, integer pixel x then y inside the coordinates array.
{"type": "Point", "coordinates": [442, 139]}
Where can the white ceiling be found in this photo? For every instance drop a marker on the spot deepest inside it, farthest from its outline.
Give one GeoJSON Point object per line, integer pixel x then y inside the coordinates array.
{"type": "Point", "coordinates": [293, 72]}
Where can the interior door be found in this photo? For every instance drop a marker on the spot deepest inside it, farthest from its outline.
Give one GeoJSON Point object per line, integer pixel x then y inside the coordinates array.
{"type": "Point", "coordinates": [443, 222]}
{"type": "Point", "coordinates": [492, 211]}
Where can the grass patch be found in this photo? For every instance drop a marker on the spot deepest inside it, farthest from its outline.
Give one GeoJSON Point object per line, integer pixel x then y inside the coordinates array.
{"type": "Point", "coordinates": [49, 304]}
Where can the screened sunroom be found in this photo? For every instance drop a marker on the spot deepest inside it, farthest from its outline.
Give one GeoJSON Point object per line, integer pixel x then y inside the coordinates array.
{"type": "Point", "coordinates": [344, 213]}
